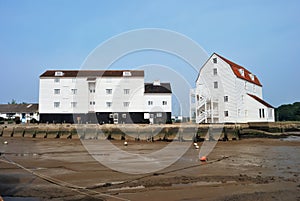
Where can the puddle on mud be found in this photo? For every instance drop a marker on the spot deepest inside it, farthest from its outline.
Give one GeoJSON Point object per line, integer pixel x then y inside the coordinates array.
{"type": "Point", "coordinates": [127, 188]}
{"type": "Point", "coordinates": [292, 139]}
{"type": "Point", "coordinates": [200, 183]}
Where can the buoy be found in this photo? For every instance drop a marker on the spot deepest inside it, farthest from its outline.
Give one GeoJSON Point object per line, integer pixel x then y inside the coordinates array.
{"type": "Point", "coordinates": [203, 158]}
{"type": "Point", "coordinates": [197, 147]}
{"type": "Point", "coordinates": [5, 142]}
{"type": "Point", "coordinates": [125, 143]}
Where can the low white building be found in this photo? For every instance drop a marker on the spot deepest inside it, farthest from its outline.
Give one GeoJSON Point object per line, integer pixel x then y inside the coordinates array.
{"type": "Point", "coordinates": [228, 93]}
{"type": "Point", "coordinates": [24, 112]}
{"type": "Point", "coordinates": [95, 96]}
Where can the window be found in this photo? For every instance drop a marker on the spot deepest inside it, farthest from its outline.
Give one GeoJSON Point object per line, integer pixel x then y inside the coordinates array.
{"type": "Point", "coordinates": [216, 85]}
{"type": "Point", "coordinates": [261, 113]}
{"type": "Point", "coordinates": [108, 91]}
{"type": "Point", "coordinates": [111, 116]}
{"type": "Point", "coordinates": [56, 104]}
{"type": "Point", "coordinates": [92, 90]}
{"type": "Point", "coordinates": [126, 91]}
{"type": "Point", "coordinates": [251, 76]}
{"type": "Point", "coordinates": [108, 104]}
{"type": "Point", "coordinates": [164, 102]}
{"type": "Point", "coordinates": [215, 70]}
{"type": "Point", "coordinates": [226, 113]}
{"type": "Point", "coordinates": [215, 60]}
{"type": "Point", "coordinates": [150, 102]}
{"type": "Point", "coordinates": [126, 104]}
{"type": "Point", "coordinates": [159, 114]}
{"type": "Point", "coordinates": [126, 74]}
{"type": "Point", "coordinates": [59, 73]}
{"type": "Point", "coordinates": [73, 104]}
{"type": "Point", "coordinates": [56, 91]}
{"type": "Point", "coordinates": [225, 98]}
{"type": "Point", "coordinates": [124, 116]}
{"type": "Point", "coordinates": [242, 72]}
{"type": "Point", "coordinates": [92, 103]}
{"type": "Point", "coordinates": [270, 113]}
{"type": "Point", "coordinates": [56, 80]}
{"type": "Point", "coordinates": [74, 91]}
{"type": "Point", "coordinates": [151, 115]}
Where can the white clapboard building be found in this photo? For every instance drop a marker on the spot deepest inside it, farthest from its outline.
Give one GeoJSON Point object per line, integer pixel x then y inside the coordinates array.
{"type": "Point", "coordinates": [96, 96]}
{"type": "Point", "coordinates": [228, 93]}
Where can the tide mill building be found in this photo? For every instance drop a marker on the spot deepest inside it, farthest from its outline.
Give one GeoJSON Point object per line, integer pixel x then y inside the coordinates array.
{"type": "Point", "coordinates": [96, 96]}
{"type": "Point", "coordinates": [228, 93]}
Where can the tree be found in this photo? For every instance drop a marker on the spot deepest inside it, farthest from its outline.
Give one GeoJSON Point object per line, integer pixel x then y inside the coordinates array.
{"type": "Point", "coordinates": [289, 112]}
{"type": "Point", "coordinates": [13, 101]}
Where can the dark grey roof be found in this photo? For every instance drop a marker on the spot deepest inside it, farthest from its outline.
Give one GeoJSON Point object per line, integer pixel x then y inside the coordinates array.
{"type": "Point", "coordinates": [162, 88]}
{"type": "Point", "coordinates": [93, 73]}
{"type": "Point", "coordinates": [19, 108]}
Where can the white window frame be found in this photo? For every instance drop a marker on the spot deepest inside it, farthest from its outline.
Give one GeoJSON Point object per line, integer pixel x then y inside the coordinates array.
{"type": "Point", "coordinates": [164, 102]}
{"type": "Point", "coordinates": [73, 104]}
{"type": "Point", "coordinates": [226, 113]}
{"type": "Point", "coordinates": [215, 71]}
{"type": "Point", "coordinates": [56, 91]}
{"type": "Point", "coordinates": [150, 102]}
{"type": "Point", "coordinates": [56, 104]}
{"type": "Point", "coordinates": [108, 104]}
{"type": "Point", "coordinates": [126, 91]}
{"type": "Point", "coordinates": [216, 85]}
{"type": "Point", "coordinates": [226, 99]}
{"type": "Point", "coordinates": [126, 104]}
{"type": "Point", "coordinates": [108, 91]}
{"type": "Point", "coordinates": [159, 114]}
{"type": "Point", "coordinates": [56, 80]}
{"type": "Point", "coordinates": [74, 91]}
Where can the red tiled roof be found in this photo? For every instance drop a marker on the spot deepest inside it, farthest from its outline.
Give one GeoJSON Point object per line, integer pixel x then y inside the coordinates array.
{"type": "Point", "coordinates": [93, 73]}
{"type": "Point", "coordinates": [260, 100]}
{"type": "Point", "coordinates": [235, 68]}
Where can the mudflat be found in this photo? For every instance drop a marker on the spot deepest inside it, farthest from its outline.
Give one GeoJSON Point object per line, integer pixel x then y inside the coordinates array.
{"type": "Point", "coordinates": [62, 169]}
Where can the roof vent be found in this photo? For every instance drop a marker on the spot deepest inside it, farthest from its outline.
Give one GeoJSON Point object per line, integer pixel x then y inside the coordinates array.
{"type": "Point", "coordinates": [126, 73]}
{"type": "Point", "coordinates": [59, 73]}
{"type": "Point", "coordinates": [242, 72]}
{"type": "Point", "coordinates": [156, 83]}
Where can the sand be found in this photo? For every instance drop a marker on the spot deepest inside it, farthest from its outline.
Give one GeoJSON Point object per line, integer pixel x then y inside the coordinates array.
{"type": "Point", "coordinates": [62, 169]}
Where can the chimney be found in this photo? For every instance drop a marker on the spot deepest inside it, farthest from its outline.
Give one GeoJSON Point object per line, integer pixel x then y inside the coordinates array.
{"type": "Point", "coordinates": [156, 83]}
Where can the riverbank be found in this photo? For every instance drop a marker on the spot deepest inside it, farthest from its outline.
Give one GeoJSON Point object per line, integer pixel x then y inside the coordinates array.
{"type": "Point", "coordinates": [247, 169]}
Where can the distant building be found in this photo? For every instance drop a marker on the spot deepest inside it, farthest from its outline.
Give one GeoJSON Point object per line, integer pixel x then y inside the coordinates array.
{"type": "Point", "coordinates": [25, 112]}
{"type": "Point", "coordinates": [95, 96]}
{"type": "Point", "coordinates": [228, 93]}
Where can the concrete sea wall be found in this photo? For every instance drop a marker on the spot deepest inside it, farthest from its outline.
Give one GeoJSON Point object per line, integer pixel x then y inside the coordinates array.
{"type": "Point", "coordinates": [181, 132]}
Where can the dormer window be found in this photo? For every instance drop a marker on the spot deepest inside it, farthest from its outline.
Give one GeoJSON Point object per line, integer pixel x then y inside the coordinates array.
{"type": "Point", "coordinates": [251, 76]}
{"type": "Point", "coordinates": [242, 72]}
{"type": "Point", "coordinates": [59, 73]}
{"type": "Point", "coordinates": [215, 60]}
{"type": "Point", "coordinates": [126, 74]}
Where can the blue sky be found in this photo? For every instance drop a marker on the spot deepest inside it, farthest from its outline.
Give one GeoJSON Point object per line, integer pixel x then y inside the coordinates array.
{"type": "Point", "coordinates": [262, 36]}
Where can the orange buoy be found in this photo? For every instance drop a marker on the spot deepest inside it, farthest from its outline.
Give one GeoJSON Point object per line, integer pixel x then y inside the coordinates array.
{"type": "Point", "coordinates": [203, 158]}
